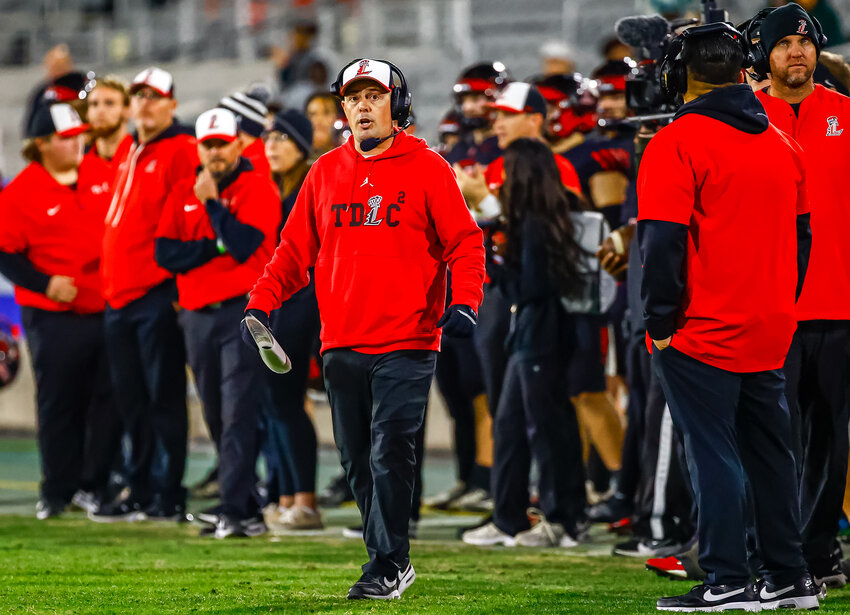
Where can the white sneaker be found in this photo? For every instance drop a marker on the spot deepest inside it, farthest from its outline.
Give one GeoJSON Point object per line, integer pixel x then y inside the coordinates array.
{"type": "Point", "coordinates": [487, 536]}
{"type": "Point", "coordinates": [447, 498]}
{"type": "Point", "coordinates": [544, 533]}
{"type": "Point", "coordinates": [476, 500]}
{"type": "Point", "coordinates": [85, 500]}
{"type": "Point", "coordinates": [296, 518]}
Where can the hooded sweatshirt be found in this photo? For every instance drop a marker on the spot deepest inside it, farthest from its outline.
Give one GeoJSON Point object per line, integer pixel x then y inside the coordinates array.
{"type": "Point", "coordinates": [381, 232]}
{"type": "Point", "coordinates": [719, 244]}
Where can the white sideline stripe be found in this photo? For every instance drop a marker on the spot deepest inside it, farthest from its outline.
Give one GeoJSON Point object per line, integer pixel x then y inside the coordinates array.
{"type": "Point", "coordinates": [662, 474]}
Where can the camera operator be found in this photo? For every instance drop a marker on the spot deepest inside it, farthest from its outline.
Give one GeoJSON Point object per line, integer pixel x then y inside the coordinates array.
{"type": "Point", "coordinates": [817, 365]}
{"type": "Point", "coordinates": [722, 322]}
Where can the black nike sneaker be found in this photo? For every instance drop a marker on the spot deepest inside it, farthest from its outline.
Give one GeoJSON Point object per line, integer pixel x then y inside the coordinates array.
{"type": "Point", "coordinates": [800, 595]}
{"type": "Point", "coordinates": [713, 599]}
{"type": "Point", "coordinates": [382, 588]}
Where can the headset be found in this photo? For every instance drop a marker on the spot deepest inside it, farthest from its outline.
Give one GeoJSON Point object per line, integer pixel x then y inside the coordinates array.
{"type": "Point", "coordinates": [401, 101]}
{"type": "Point", "coordinates": [759, 57]}
{"type": "Point", "coordinates": [674, 72]}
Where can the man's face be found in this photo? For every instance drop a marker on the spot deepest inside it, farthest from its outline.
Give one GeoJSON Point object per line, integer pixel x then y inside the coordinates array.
{"type": "Point", "coordinates": [474, 105]}
{"type": "Point", "coordinates": [106, 112]}
{"type": "Point", "coordinates": [61, 153]}
{"type": "Point", "coordinates": [218, 156]}
{"type": "Point", "coordinates": [367, 108]}
{"type": "Point", "coordinates": [612, 106]}
{"type": "Point", "coordinates": [151, 111]}
{"type": "Point", "coordinates": [793, 60]}
{"type": "Point", "coordinates": [512, 126]}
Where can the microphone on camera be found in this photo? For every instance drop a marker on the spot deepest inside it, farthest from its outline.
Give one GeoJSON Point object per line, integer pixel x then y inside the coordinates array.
{"type": "Point", "coordinates": [642, 30]}
{"type": "Point", "coordinates": [367, 145]}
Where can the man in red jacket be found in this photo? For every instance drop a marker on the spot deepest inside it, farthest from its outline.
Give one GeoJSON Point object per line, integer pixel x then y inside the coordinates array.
{"type": "Point", "coordinates": [818, 366]}
{"type": "Point", "coordinates": [722, 319]}
{"type": "Point", "coordinates": [50, 250]}
{"type": "Point", "coordinates": [146, 352]}
{"type": "Point", "coordinates": [217, 232]}
{"type": "Point", "coordinates": [381, 219]}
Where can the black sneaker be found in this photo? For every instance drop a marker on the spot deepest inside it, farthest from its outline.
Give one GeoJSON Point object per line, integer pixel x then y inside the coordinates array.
{"type": "Point", "coordinates": [210, 515]}
{"type": "Point", "coordinates": [800, 595]}
{"type": "Point", "coordinates": [613, 509]}
{"type": "Point", "coordinates": [166, 513]}
{"type": "Point", "coordinates": [382, 588]}
{"type": "Point", "coordinates": [46, 510]}
{"type": "Point", "coordinates": [238, 528]}
{"type": "Point", "coordinates": [713, 598]}
{"type": "Point", "coordinates": [128, 510]}
{"type": "Point", "coordinates": [647, 547]}
{"type": "Point", "coordinates": [335, 494]}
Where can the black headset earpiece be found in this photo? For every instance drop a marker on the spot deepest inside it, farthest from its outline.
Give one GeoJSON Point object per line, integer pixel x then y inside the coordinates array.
{"type": "Point", "coordinates": [401, 100]}
{"type": "Point", "coordinates": [674, 72]}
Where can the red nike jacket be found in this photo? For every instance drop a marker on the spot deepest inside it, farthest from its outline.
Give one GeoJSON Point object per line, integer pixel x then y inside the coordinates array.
{"type": "Point", "coordinates": [59, 230]}
{"type": "Point", "coordinates": [256, 153]}
{"type": "Point", "coordinates": [381, 232]}
{"type": "Point", "coordinates": [494, 174]}
{"type": "Point", "coordinates": [253, 199]}
{"type": "Point", "coordinates": [819, 130]}
{"type": "Point", "coordinates": [143, 183]}
{"type": "Point", "coordinates": [97, 174]}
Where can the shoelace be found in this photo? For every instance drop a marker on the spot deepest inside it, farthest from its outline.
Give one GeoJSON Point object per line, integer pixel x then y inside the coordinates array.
{"type": "Point", "coordinates": [541, 524]}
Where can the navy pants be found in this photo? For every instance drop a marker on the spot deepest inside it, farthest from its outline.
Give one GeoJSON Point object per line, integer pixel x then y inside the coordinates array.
{"type": "Point", "coordinates": [817, 370]}
{"type": "Point", "coordinates": [291, 445]}
{"type": "Point", "coordinates": [227, 373]}
{"type": "Point", "coordinates": [147, 361]}
{"type": "Point", "coordinates": [78, 425]}
{"type": "Point", "coordinates": [378, 404]}
{"type": "Point", "coordinates": [459, 379]}
{"type": "Point", "coordinates": [736, 426]}
{"type": "Point", "coordinates": [494, 321]}
{"type": "Point", "coordinates": [535, 419]}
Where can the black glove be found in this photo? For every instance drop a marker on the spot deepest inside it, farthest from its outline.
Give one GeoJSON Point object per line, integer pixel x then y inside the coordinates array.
{"type": "Point", "coordinates": [458, 321]}
{"type": "Point", "coordinates": [243, 328]}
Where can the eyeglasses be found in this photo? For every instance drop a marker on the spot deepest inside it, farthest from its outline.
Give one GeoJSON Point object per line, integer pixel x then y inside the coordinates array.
{"type": "Point", "coordinates": [147, 95]}
{"type": "Point", "coordinates": [275, 137]}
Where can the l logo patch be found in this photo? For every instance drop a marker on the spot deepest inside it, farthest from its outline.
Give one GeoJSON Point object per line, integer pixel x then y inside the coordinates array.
{"type": "Point", "coordinates": [832, 129]}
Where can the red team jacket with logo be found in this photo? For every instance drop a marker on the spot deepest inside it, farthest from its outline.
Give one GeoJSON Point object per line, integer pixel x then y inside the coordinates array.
{"type": "Point", "coordinates": [820, 131]}
{"type": "Point", "coordinates": [97, 174]}
{"type": "Point", "coordinates": [144, 181]}
{"type": "Point", "coordinates": [59, 229]}
{"type": "Point", "coordinates": [253, 199]}
{"type": "Point", "coordinates": [381, 232]}
{"type": "Point", "coordinates": [734, 306]}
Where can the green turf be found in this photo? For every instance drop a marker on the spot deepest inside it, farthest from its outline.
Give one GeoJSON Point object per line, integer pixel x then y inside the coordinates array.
{"type": "Point", "coordinates": [74, 566]}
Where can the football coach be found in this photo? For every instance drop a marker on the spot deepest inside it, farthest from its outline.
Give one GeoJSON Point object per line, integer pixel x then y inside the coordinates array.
{"type": "Point", "coordinates": [720, 311]}
{"type": "Point", "coordinates": [381, 218]}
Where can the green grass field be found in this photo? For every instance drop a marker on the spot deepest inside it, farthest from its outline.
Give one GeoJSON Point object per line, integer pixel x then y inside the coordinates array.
{"type": "Point", "coordinates": [70, 565]}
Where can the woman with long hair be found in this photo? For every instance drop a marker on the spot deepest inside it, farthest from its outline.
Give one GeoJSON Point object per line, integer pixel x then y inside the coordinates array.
{"type": "Point", "coordinates": [290, 436]}
{"type": "Point", "coordinates": [539, 264]}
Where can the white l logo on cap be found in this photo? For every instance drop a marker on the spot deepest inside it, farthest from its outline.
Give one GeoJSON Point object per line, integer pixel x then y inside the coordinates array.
{"type": "Point", "coordinates": [216, 123]}
{"type": "Point", "coordinates": [367, 69]}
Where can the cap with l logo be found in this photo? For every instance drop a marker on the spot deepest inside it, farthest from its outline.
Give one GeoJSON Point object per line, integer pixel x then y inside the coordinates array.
{"type": "Point", "coordinates": [374, 70]}
{"type": "Point", "coordinates": [59, 118]}
{"type": "Point", "coordinates": [216, 123]}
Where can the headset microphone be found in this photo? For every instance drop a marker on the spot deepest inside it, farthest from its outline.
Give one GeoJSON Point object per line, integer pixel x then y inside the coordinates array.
{"type": "Point", "coordinates": [367, 145]}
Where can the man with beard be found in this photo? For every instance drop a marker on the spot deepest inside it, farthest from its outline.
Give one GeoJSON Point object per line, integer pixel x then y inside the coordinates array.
{"type": "Point", "coordinates": [817, 365]}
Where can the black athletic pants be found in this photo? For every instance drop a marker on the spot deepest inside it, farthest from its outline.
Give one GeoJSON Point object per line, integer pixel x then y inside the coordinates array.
{"type": "Point", "coordinates": [378, 404]}
{"type": "Point", "coordinates": [227, 373]}
{"type": "Point", "coordinates": [78, 425]}
{"type": "Point", "coordinates": [818, 376]}
{"type": "Point", "coordinates": [736, 425]}
{"type": "Point", "coordinates": [147, 360]}
{"type": "Point", "coordinates": [290, 436]}
{"type": "Point", "coordinates": [535, 419]}
{"type": "Point", "coordinates": [494, 321]}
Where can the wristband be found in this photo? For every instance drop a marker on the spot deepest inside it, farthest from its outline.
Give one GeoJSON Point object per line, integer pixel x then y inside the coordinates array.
{"type": "Point", "coordinates": [219, 245]}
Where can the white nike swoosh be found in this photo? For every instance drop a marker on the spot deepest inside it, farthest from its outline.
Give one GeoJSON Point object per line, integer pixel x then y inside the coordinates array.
{"type": "Point", "coordinates": [54, 210]}
{"type": "Point", "coordinates": [766, 595]}
{"type": "Point", "coordinates": [709, 597]}
{"type": "Point", "coordinates": [388, 582]}
{"type": "Point", "coordinates": [190, 207]}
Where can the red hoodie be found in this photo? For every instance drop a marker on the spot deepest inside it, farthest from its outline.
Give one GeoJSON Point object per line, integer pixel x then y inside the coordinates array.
{"type": "Point", "coordinates": [494, 174]}
{"type": "Point", "coordinates": [256, 153]}
{"type": "Point", "coordinates": [142, 185]}
{"type": "Point", "coordinates": [380, 232]}
{"type": "Point", "coordinates": [59, 230]}
{"type": "Point", "coordinates": [823, 119]}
